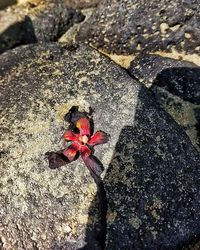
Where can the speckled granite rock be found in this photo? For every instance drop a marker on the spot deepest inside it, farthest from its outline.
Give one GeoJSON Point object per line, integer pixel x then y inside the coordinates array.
{"type": "Point", "coordinates": [186, 114]}
{"type": "Point", "coordinates": [152, 183]}
{"type": "Point", "coordinates": [151, 171]}
{"type": "Point", "coordinates": [39, 206]}
{"type": "Point", "coordinates": [126, 26]}
{"type": "Point", "coordinates": [180, 78]}
{"type": "Point", "coordinates": [176, 85]}
{"type": "Point", "coordinates": [39, 22]}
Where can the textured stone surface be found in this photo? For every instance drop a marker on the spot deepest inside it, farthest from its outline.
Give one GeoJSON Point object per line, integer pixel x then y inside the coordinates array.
{"type": "Point", "coordinates": [180, 78]}
{"type": "Point", "coordinates": [151, 168]}
{"type": "Point", "coordinates": [76, 4]}
{"type": "Point", "coordinates": [128, 26]}
{"type": "Point", "coordinates": [176, 85]}
{"type": "Point", "coordinates": [41, 207]}
{"type": "Point", "coordinates": [152, 183]}
{"type": "Point", "coordinates": [146, 67]}
{"type": "Point", "coordinates": [80, 4]}
{"type": "Point", "coordinates": [35, 22]}
{"type": "Point", "coordinates": [185, 113]}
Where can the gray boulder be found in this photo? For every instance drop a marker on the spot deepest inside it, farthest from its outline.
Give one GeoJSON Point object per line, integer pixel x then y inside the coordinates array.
{"type": "Point", "coordinates": [31, 23]}
{"type": "Point", "coordinates": [176, 86]}
{"type": "Point", "coordinates": [151, 168]}
{"type": "Point", "coordinates": [41, 207]}
{"type": "Point", "coordinates": [131, 26]}
{"type": "Point", "coordinates": [152, 190]}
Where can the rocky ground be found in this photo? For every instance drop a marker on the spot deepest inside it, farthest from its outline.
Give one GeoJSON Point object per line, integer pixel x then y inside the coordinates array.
{"type": "Point", "coordinates": [137, 65]}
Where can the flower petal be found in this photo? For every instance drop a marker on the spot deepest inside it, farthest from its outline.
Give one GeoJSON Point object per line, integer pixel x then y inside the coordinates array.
{"type": "Point", "coordinates": [71, 152]}
{"type": "Point", "coordinates": [93, 164]}
{"type": "Point", "coordinates": [83, 125]}
{"type": "Point", "coordinates": [99, 137]}
{"type": "Point", "coordinates": [70, 136]}
{"type": "Point", "coordinates": [56, 159]}
{"type": "Point", "coordinates": [85, 151]}
{"type": "Point", "coordinates": [73, 115]}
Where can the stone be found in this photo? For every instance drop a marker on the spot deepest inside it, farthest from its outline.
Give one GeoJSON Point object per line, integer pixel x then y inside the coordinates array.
{"type": "Point", "coordinates": [151, 172]}
{"type": "Point", "coordinates": [152, 190]}
{"type": "Point", "coordinates": [123, 27]}
{"type": "Point", "coordinates": [35, 22]}
{"type": "Point", "coordinates": [81, 4]}
{"type": "Point", "coordinates": [39, 84]}
{"type": "Point", "coordinates": [186, 114]}
{"type": "Point", "coordinates": [176, 86]}
{"type": "Point", "coordinates": [180, 78]}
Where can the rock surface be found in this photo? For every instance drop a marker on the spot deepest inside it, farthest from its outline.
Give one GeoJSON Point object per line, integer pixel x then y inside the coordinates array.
{"type": "Point", "coordinates": [35, 22]}
{"type": "Point", "coordinates": [180, 78]}
{"type": "Point", "coordinates": [81, 4]}
{"type": "Point", "coordinates": [151, 178]}
{"type": "Point", "coordinates": [41, 207]}
{"type": "Point", "coordinates": [151, 183]}
{"type": "Point", "coordinates": [131, 26]}
{"type": "Point", "coordinates": [176, 85]}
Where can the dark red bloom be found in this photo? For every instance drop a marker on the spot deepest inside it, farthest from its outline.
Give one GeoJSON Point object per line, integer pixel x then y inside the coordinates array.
{"type": "Point", "coordinates": [83, 142]}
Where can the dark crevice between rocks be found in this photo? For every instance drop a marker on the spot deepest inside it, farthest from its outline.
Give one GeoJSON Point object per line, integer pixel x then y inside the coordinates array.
{"type": "Point", "coordinates": [1, 243]}
{"type": "Point", "coordinates": [101, 237]}
{"type": "Point", "coordinates": [131, 75]}
{"type": "Point", "coordinates": [74, 17]}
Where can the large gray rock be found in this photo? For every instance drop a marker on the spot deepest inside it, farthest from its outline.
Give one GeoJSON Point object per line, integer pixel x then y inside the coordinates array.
{"type": "Point", "coordinates": [151, 168]}
{"type": "Point", "coordinates": [39, 206]}
{"type": "Point", "coordinates": [180, 78]}
{"type": "Point", "coordinates": [176, 86]}
{"type": "Point", "coordinates": [31, 23]}
{"type": "Point", "coordinates": [130, 26]}
{"type": "Point", "coordinates": [152, 190]}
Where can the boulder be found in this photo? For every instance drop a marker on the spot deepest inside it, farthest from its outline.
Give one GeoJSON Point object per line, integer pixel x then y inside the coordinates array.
{"type": "Point", "coordinates": [180, 78]}
{"type": "Point", "coordinates": [41, 207]}
{"type": "Point", "coordinates": [151, 172]}
{"type": "Point", "coordinates": [131, 26]}
{"type": "Point", "coordinates": [176, 86]}
{"type": "Point", "coordinates": [35, 22]}
{"type": "Point", "coordinates": [152, 190]}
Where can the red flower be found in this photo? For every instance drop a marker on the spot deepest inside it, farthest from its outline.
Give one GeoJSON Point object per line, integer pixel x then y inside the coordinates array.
{"type": "Point", "coordinates": [83, 143]}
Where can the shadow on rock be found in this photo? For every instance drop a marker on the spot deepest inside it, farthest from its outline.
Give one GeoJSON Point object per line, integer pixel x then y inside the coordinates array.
{"type": "Point", "coordinates": [152, 186]}
{"type": "Point", "coordinates": [177, 89]}
{"type": "Point", "coordinates": [181, 81]}
{"type": "Point", "coordinates": [197, 116]}
{"type": "Point", "coordinates": [176, 86]}
{"type": "Point", "coordinates": [20, 33]}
